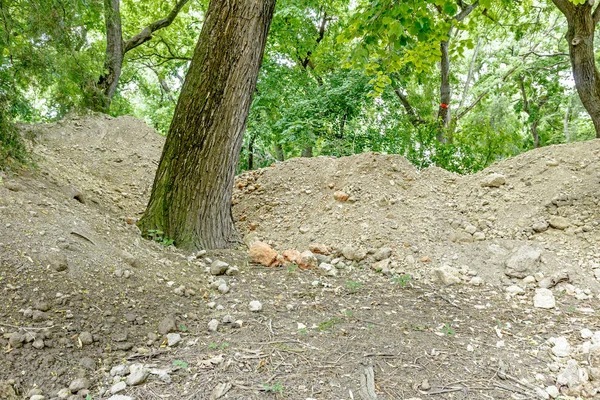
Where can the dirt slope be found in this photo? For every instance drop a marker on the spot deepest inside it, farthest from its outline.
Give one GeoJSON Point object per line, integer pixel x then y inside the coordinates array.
{"type": "Point", "coordinates": [86, 305]}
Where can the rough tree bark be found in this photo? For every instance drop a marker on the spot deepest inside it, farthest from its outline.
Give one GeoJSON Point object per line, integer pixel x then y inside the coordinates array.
{"type": "Point", "coordinates": [116, 49]}
{"type": "Point", "coordinates": [582, 20]}
{"type": "Point", "coordinates": [191, 196]}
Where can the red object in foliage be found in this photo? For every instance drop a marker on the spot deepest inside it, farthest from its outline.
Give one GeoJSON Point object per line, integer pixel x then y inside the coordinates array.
{"type": "Point", "coordinates": [443, 105]}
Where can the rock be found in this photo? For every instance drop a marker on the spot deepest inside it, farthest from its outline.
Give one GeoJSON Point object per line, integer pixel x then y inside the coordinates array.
{"type": "Point", "coordinates": [232, 271]}
{"type": "Point", "coordinates": [213, 325]}
{"type": "Point", "coordinates": [382, 254]}
{"type": "Point", "coordinates": [292, 256]}
{"type": "Point", "coordinates": [223, 288]}
{"type": "Point", "coordinates": [560, 223]}
{"type": "Point", "coordinates": [446, 275]}
{"type": "Point", "coordinates": [118, 387]}
{"type": "Point", "coordinates": [173, 339]}
{"type": "Point", "coordinates": [79, 384]}
{"type": "Point", "coordinates": [470, 229]}
{"type": "Point", "coordinates": [540, 226]}
{"type": "Point", "coordinates": [42, 306]}
{"type": "Point", "coordinates": [137, 376]}
{"type": "Point", "coordinates": [262, 253]}
{"type": "Point", "coordinates": [561, 347]}
{"type": "Point", "coordinates": [16, 339]}
{"type": "Point", "coordinates": [37, 397]}
{"type": "Point", "coordinates": [493, 180]}
{"type": "Point", "coordinates": [353, 254]}
{"type": "Point", "coordinates": [382, 266]}
{"type": "Point", "coordinates": [514, 289]}
{"type": "Point", "coordinates": [167, 325]}
{"type": "Point", "coordinates": [120, 397]}
{"type": "Point", "coordinates": [522, 262]}
{"type": "Point", "coordinates": [340, 196]}
{"type": "Point", "coordinates": [38, 343]}
{"type": "Point", "coordinates": [255, 306]}
{"type": "Point", "coordinates": [597, 274]}
{"type": "Point", "coordinates": [57, 261]}
{"type": "Point", "coordinates": [88, 363]}
{"type": "Point", "coordinates": [307, 260]}
{"type": "Point", "coordinates": [552, 391]}
{"type": "Point", "coordinates": [39, 316]}
{"type": "Point", "coordinates": [541, 393]}
{"type": "Point", "coordinates": [319, 248]}
{"type": "Point", "coordinates": [570, 375]}
{"type": "Point", "coordinates": [86, 338]}
{"type": "Point", "coordinates": [479, 236]}
{"type": "Point", "coordinates": [476, 281]}
{"type": "Point", "coordinates": [529, 279]}
{"type": "Point", "coordinates": [328, 269]}
{"type": "Point", "coordinates": [34, 392]}
{"type": "Point", "coordinates": [586, 333]}
{"type": "Point", "coordinates": [218, 267]}
{"type": "Point", "coordinates": [14, 186]}
{"type": "Point", "coordinates": [63, 393]}
{"type": "Point", "coordinates": [162, 374]}
{"type": "Point", "coordinates": [544, 299]}
{"type": "Point", "coordinates": [118, 370]}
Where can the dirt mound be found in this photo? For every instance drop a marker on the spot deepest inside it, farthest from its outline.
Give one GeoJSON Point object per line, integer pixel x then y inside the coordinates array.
{"type": "Point", "coordinates": [88, 309]}
{"type": "Point", "coordinates": [433, 215]}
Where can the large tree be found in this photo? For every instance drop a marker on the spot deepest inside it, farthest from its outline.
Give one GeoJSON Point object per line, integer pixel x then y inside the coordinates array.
{"type": "Point", "coordinates": [191, 195]}
{"type": "Point", "coordinates": [582, 19]}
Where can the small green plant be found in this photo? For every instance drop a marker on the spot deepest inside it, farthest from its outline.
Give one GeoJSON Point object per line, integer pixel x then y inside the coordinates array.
{"type": "Point", "coordinates": [349, 313]}
{"type": "Point", "coordinates": [277, 387]}
{"type": "Point", "coordinates": [401, 280]}
{"type": "Point", "coordinates": [222, 346]}
{"type": "Point", "coordinates": [447, 330]}
{"type": "Point", "coordinates": [323, 326]}
{"type": "Point", "coordinates": [370, 326]}
{"type": "Point", "coordinates": [159, 237]}
{"type": "Point", "coordinates": [88, 397]}
{"type": "Point", "coordinates": [292, 268]}
{"type": "Point", "coordinates": [180, 363]}
{"type": "Point", "coordinates": [302, 331]}
{"type": "Point", "coordinates": [353, 285]}
{"type": "Point", "coordinates": [183, 328]}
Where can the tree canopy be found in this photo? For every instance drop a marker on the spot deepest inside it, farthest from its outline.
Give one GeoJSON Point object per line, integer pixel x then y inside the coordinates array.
{"type": "Point", "coordinates": [458, 84]}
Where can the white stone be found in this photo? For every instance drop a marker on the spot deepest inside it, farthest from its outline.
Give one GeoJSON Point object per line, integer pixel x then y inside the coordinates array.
{"type": "Point", "coordinates": [213, 325]}
{"type": "Point", "coordinates": [552, 391]}
{"type": "Point", "coordinates": [118, 387]}
{"type": "Point", "coordinates": [586, 333]}
{"type": "Point", "coordinates": [541, 393]}
{"type": "Point", "coordinates": [529, 279]}
{"type": "Point", "coordinates": [447, 275]}
{"type": "Point", "coordinates": [570, 375]}
{"type": "Point", "coordinates": [173, 339]}
{"type": "Point", "coordinates": [561, 348]}
{"type": "Point", "coordinates": [255, 306]}
{"type": "Point", "coordinates": [476, 281]}
{"type": "Point", "coordinates": [514, 289]}
{"type": "Point", "coordinates": [544, 299]}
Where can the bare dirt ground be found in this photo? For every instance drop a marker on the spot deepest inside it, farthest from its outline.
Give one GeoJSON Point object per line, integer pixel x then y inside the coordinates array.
{"type": "Point", "coordinates": [427, 290]}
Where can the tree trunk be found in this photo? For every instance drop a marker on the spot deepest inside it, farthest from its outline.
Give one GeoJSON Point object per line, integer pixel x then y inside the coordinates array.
{"type": "Point", "coordinates": [580, 35]}
{"type": "Point", "coordinates": [191, 195]}
{"type": "Point", "coordinates": [279, 153]}
{"type": "Point", "coordinates": [535, 134]}
{"type": "Point", "coordinates": [113, 61]}
{"type": "Point", "coordinates": [251, 153]}
{"type": "Point", "coordinates": [307, 151]}
{"type": "Point", "coordinates": [116, 49]}
{"type": "Point", "coordinates": [445, 93]}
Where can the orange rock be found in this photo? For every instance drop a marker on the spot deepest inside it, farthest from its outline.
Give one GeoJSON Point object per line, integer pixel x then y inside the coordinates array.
{"type": "Point", "coordinates": [425, 259]}
{"type": "Point", "coordinates": [331, 185]}
{"type": "Point", "coordinates": [340, 196]}
{"type": "Point", "coordinates": [262, 253]}
{"type": "Point", "coordinates": [319, 248]}
{"type": "Point", "coordinates": [291, 255]}
{"type": "Point", "coordinates": [307, 260]}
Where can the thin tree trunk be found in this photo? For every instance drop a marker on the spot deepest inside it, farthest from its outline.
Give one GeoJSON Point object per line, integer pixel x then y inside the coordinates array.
{"type": "Point", "coordinates": [116, 49]}
{"type": "Point", "coordinates": [307, 151]}
{"type": "Point", "coordinates": [566, 123]}
{"type": "Point", "coordinates": [582, 22]}
{"type": "Point", "coordinates": [470, 74]}
{"type": "Point", "coordinates": [113, 61]}
{"type": "Point", "coordinates": [279, 153]}
{"type": "Point", "coordinates": [251, 153]}
{"type": "Point", "coordinates": [445, 92]}
{"type": "Point", "coordinates": [191, 195]}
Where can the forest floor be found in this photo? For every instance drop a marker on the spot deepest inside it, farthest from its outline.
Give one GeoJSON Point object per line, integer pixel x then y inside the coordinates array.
{"type": "Point", "coordinates": [425, 284]}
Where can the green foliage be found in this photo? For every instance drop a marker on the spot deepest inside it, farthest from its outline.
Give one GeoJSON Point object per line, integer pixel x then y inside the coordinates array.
{"type": "Point", "coordinates": [159, 237]}
{"type": "Point", "coordinates": [401, 280]}
{"type": "Point", "coordinates": [353, 286]}
{"type": "Point", "coordinates": [276, 387]}
{"type": "Point", "coordinates": [447, 330]}
{"type": "Point", "coordinates": [180, 363]}
{"type": "Point", "coordinates": [326, 325]}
